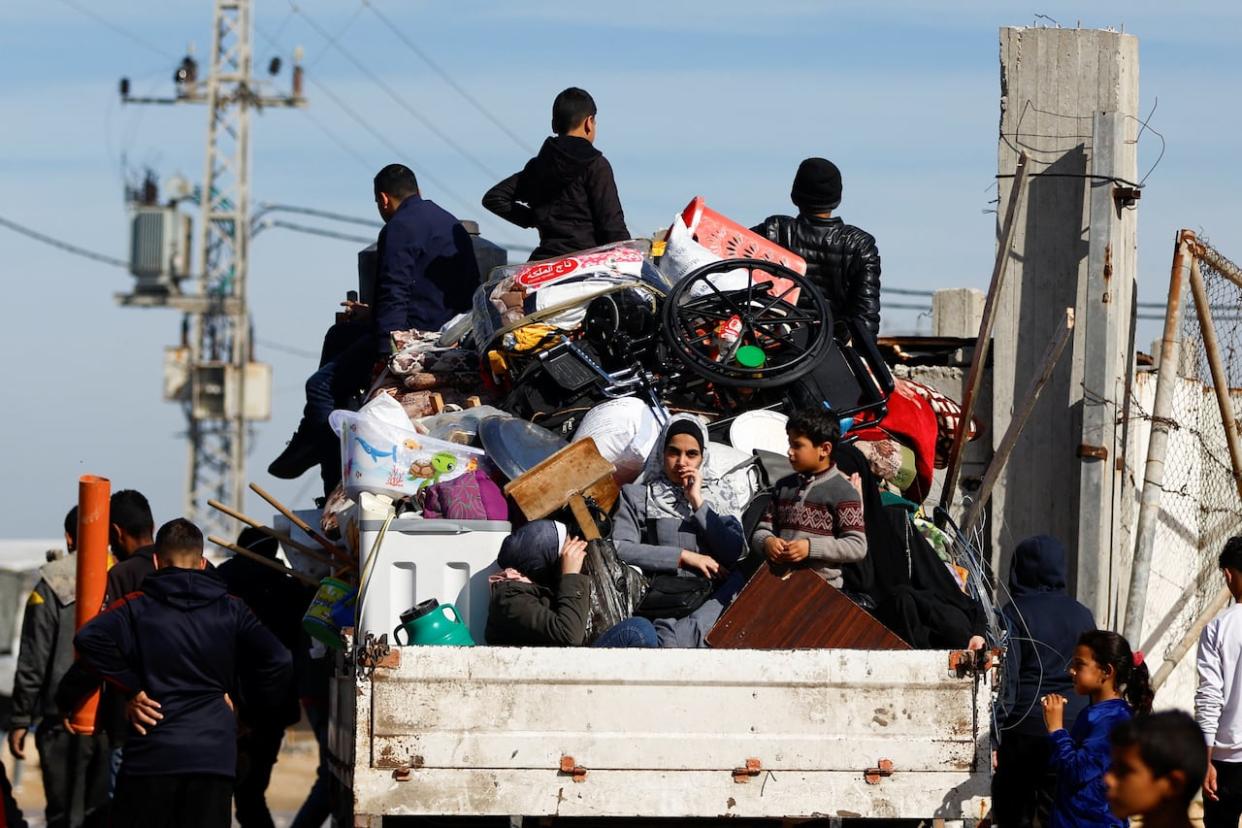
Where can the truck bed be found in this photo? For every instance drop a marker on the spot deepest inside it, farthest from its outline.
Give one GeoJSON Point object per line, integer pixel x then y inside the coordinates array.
{"type": "Point", "coordinates": [579, 732]}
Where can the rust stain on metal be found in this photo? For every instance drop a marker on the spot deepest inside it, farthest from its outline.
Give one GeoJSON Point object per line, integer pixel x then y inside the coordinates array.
{"type": "Point", "coordinates": [388, 759]}
{"type": "Point", "coordinates": [883, 769]}
{"type": "Point", "coordinates": [1090, 452]}
{"type": "Point", "coordinates": [571, 768]}
{"type": "Point", "coordinates": [1108, 272]}
{"type": "Point", "coordinates": [752, 769]}
{"type": "Point", "coordinates": [731, 802]}
{"type": "Point", "coordinates": [417, 762]}
{"type": "Point", "coordinates": [402, 774]}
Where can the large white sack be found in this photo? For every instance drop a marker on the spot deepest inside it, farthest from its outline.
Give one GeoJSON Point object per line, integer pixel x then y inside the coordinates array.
{"type": "Point", "coordinates": [625, 431]}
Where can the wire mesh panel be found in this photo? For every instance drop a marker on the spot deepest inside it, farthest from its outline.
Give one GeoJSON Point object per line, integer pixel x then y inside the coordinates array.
{"type": "Point", "coordinates": [1199, 502]}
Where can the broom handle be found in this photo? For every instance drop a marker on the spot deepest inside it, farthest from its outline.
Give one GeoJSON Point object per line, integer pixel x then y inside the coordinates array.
{"type": "Point", "coordinates": [308, 551]}
{"type": "Point", "coordinates": [332, 548]}
{"type": "Point", "coordinates": [259, 559]}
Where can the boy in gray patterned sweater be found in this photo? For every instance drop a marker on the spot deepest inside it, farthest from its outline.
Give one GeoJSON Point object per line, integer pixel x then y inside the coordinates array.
{"type": "Point", "coordinates": [816, 514]}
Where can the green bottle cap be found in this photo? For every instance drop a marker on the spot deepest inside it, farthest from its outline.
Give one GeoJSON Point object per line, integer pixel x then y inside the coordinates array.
{"type": "Point", "coordinates": [750, 356]}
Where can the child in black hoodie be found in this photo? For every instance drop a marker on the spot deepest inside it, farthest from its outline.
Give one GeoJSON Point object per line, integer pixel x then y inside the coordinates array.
{"type": "Point", "coordinates": [176, 649]}
{"type": "Point", "coordinates": [567, 191]}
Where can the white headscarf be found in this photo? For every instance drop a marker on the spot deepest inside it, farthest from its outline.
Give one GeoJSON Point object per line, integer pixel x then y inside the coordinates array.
{"type": "Point", "coordinates": [725, 491]}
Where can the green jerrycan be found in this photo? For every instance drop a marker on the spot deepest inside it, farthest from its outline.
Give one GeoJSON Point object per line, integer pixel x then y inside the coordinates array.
{"type": "Point", "coordinates": [429, 624]}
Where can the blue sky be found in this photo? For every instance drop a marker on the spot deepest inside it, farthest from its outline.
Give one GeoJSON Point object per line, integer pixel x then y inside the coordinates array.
{"type": "Point", "coordinates": [716, 99]}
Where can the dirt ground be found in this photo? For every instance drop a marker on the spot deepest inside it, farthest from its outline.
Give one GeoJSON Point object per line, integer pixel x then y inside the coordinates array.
{"type": "Point", "coordinates": [291, 778]}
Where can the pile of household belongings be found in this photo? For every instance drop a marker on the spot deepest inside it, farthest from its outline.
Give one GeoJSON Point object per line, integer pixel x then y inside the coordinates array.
{"type": "Point", "coordinates": [422, 436]}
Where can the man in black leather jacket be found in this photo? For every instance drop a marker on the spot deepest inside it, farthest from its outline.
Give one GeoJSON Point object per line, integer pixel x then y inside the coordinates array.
{"type": "Point", "coordinates": [841, 259]}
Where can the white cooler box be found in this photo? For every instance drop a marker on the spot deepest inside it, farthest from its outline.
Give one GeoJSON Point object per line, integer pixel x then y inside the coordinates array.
{"type": "Point", "coordinates": [449, 560]}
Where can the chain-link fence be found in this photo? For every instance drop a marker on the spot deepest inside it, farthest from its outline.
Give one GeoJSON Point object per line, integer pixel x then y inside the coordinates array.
{"type": "Point", "coordinates": [1199, 504]}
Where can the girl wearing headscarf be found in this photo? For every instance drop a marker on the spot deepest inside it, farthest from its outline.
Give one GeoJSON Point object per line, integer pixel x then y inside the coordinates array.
{"type": "Point", "coordinates": [540, 598]}
{"type": "Point", "coordinates": [678, 517]}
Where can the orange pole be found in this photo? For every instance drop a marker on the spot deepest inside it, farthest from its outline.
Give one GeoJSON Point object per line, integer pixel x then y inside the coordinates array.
{"type": "Point", "coordinates": [94, 494]}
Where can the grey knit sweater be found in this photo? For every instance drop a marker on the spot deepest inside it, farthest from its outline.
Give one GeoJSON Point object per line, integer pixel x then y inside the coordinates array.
{"type": "Point", "coordinates": [822, 508]}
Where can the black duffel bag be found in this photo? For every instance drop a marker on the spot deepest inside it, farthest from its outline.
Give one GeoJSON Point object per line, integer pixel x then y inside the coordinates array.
{"type": "Point", "coordinates": [673, 596]}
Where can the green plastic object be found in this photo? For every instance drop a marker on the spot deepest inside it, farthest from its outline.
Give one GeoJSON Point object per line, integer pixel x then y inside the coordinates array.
{"type": "Point", "coordinates": [750, 356]}
{"type": "Point", "coordinates": [429, 625]}
{"type": "Point", "coordinates": [333, 602]}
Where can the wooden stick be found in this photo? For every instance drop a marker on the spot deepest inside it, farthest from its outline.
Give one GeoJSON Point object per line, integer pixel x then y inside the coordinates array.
{"type": "Point", "coordinates": [974, 380]}
{"type": "Point", "coordinates": [268, 562]}
{"type": "Point", "coordinates": [332, 548]}
{"type": "Point", "coordinates": [308, 551]}
{"type": "Point", "coordinates": [1018, 422]}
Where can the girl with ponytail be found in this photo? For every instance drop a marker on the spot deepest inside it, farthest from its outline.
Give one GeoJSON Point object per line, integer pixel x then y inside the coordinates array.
{"type": "Point", "coordinates": [1116, 681]}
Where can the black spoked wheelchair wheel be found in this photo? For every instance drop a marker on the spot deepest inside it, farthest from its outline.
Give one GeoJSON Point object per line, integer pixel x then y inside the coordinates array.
{"type": "Point", "coordinates": [762, 331]}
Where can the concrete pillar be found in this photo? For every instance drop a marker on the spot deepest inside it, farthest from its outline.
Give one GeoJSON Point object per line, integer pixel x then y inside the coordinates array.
{"type": "Point", "coordinates": [1053, 82]}
{"type": "Point", "coordinates": [957, 312]}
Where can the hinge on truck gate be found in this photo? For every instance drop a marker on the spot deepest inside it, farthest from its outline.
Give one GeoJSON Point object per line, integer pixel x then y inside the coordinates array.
{"type": "Point", "coordinates": [375, 652]}
{"type": "Point", "coordinates": [971, 662]}
{"type": "Point", "coordinates": [571, 768]}
{"type": "Point", "coordinates": [752, 769]}
{"type": "Point", "coordinates": [882, 770]}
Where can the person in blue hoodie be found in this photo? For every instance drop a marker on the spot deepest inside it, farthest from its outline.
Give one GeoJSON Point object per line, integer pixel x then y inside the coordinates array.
{"type": "Point", "coordinates": [178, 650]}
{"type": "Point", "coordinates": [1043, 623]}
{"type": "Point", "coordinates": [1114, 678]}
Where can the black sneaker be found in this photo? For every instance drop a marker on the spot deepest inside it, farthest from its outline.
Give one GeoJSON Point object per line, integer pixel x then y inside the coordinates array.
{"type": "Point", "coordinates": [299, 457]}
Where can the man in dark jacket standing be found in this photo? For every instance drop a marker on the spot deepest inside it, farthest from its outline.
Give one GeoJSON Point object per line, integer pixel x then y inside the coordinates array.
{"type": "Point", "coordinates": [567, 191]}
{"type": "Point", "coordinates": [427, 275]}
{"type": "Point", "coordinates": [841, 259]}
{"type": "Point", "coordinates": [74, 767]}
{"type": "Point", "coordinates": [278, 602]}
{"type": "Point", "coordinates": [176, 650]}
{"type": "Point", "coordinates": [1043, 623]}
{"type": "Point", "coordinates": [130, 538]}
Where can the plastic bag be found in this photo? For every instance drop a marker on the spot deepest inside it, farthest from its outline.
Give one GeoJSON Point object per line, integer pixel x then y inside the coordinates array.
{"type": "Point", "coordinates": [625, 431]}
{"type": "Point", "coordinates": [383, 454]}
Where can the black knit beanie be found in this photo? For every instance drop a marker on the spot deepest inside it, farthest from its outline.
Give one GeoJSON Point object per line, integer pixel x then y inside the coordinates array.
{"type": "Point", "coordinates": [817, 186]}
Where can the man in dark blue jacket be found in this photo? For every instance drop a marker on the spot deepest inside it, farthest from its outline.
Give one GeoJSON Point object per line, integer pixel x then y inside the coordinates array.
{"type": "Point", "coordinates": [176, 650]}
{"type": "Point", "coordinates": [427, 275]}
{"type": "Point", "coordinates": [1043, 623]}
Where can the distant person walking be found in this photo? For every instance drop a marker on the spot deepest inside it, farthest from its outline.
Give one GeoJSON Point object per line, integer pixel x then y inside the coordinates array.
{"type": "Point", "coordinates": [567, 192]}
{"type": "Point", "coordinates": [74, 767]}
{"type": "Point", "coordinates": [1044, 624]}
{"type": "Point", "coordinates": [1218, 701]}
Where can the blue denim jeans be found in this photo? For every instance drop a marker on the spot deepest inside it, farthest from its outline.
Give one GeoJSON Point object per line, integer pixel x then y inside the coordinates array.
{"type": "Point", "coordinates": [349, 352]}
{"type": "Point", "coordinates": [632, 632]}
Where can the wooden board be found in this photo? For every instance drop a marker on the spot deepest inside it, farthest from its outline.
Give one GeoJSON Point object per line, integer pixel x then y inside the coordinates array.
{"type": "Point", "coordinates": [796, 609]}
{"type": "Point", "coordinates": [576, 469]}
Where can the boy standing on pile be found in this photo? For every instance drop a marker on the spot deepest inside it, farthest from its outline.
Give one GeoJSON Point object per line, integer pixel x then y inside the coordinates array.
{"type": "Point", "coordinates": [176, 650]}
{"type": "Point", "coordinates": [816, 514]}
{"type": "Point", "coordinates": [567, 191]}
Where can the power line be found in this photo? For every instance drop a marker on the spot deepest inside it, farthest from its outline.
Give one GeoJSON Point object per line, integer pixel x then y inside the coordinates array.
{"type": "Point", "coordinates": [63, 245]}
{"type": "Point", "coordinates": [383, 139]}
{"type": "Point", "coordinates": [392, 93]}
{"type": "Point", "coordinates": [344, 147]}
{"type": "Point", "coordinates": [318, 231]}
{"type": "Point", "coordinates": [267, 206]}
{"type": "Point", "coordinates": [447, 78]}
{"type": "Point", "coordinates": [287, 349]}
{"type": "Point", "coordinates": [906, 291]}
{"type": "Point", "coordinates": [121, 30]}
